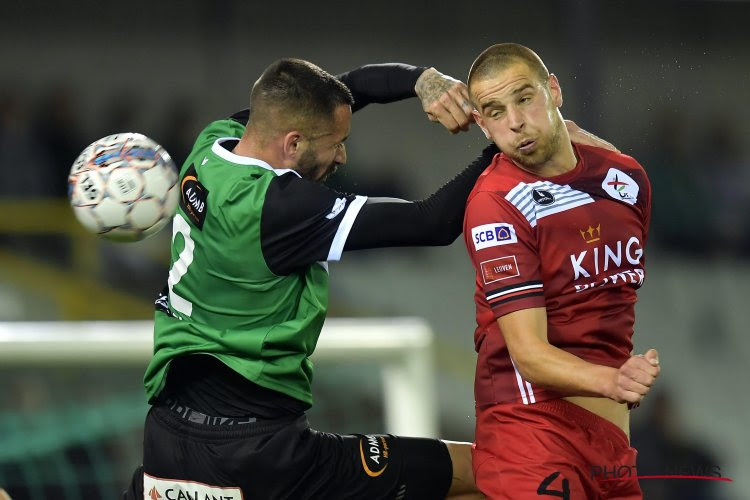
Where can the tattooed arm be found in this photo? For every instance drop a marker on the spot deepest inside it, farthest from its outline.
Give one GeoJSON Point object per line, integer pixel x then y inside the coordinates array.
{"type": "Point", "coordinates": [445, 100]}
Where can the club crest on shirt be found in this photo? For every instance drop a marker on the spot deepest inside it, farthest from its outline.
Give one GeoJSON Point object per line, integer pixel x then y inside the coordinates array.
{"type": "Point", "coordinates": [492, 235]}
{"type": "Point", "coordinates": [620, 186]}
{"type": "Point", "coordinates": [542, 197]}
{"type": "Point", "coordinates": [338, 206]}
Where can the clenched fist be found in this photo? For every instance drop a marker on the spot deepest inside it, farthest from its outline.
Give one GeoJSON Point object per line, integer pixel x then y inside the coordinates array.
{"type": "Point", "coordinates": [635, 377]}
{"type": "Point", "coordinates": [445, 100]}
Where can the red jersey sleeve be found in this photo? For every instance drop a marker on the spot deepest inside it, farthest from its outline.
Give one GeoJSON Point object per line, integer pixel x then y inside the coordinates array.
{"type": "Point", "coordinates": [503, 249]}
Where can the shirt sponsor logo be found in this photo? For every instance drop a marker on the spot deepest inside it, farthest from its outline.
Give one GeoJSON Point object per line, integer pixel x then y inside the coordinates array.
{"type": "Point", "coordinates": [492, 235]}
{"type": "Point", "coordinates": [601, 258]}
{"type": "Point", "coordinates": [374, 451]}
{"type": "Point", "coordinates": [620, 186]}
{"type": "Point", "coordinates": [499, 269]}
{"type": "Point", "coordinates": [194, 198]}
{"type": "Point", "coordinates": [173, 489]}
{"type": "Point", "coordinates": [338, 206]}
{"type": "Point", "coordinates": [633, 277]}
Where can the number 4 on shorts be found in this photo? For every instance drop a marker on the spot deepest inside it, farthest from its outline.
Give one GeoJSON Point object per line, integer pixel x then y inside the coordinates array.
{"type": "Point", "coordinates": [544, 487]}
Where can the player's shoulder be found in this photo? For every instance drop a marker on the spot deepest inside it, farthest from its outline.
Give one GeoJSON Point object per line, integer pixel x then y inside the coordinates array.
{"type": "Point", "coordinates": [217, 129]}
{"type": "Point", "coordinates": [613, 167]}
{"type": "Point", "coordinates": [222, 128]}
{"type": "Point", "coordinates": [288, 194]}
{"type": "Point", "coordinates": [601, 157]}
{"type": "Point", "coordinates": [497, 179]}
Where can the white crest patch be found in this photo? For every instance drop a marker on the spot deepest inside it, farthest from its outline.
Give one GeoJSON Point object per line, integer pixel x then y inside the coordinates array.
{"type": "Point", "coordinates": [620, 186]}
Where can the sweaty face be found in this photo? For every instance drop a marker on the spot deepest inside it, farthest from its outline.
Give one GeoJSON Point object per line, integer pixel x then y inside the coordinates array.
{"type": "Point", "coordinates": [521, 115]}
{"type": "Point", "coordinates": [325, 151]}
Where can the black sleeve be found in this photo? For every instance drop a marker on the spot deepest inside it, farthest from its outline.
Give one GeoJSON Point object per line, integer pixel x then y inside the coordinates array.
{"type": "Point", "coordinates": [436, 220]}
{"type": "Point", "coordinates": [241, 116]}
{"type": "Point", "coordinates": [372, 83]}
{"type": "Point", "coordinates": [381, 83]}
{"type": "Point", "coordinates": [304, 222]}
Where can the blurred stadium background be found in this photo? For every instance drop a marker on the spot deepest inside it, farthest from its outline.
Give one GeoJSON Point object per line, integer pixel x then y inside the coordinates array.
{"type": "Point", "coordinates": [665, 81]}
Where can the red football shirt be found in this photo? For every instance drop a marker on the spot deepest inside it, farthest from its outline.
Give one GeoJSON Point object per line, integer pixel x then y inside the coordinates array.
{"type": "Point", "coordinates": [572, 243]}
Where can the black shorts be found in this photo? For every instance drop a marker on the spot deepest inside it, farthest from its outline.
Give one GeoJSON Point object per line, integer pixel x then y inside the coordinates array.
{"type": "Point", "coordinates": [235, 459]}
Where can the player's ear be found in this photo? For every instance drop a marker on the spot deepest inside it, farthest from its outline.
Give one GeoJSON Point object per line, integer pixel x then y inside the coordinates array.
{"type": "Point", "coordinates": [292, 145]}
{"type": "Point", "coordinates": [555, 90]}
{"type": "Point", "coordinates": [480, 122]}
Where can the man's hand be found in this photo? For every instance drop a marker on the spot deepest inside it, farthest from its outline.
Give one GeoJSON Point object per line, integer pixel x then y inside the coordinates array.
{"type": "Point", "coordinates": [445, 100]}
{"type": "Point", "coordinates": [580, 136]}
{"type": "Point", "coordinates": [635, 377]}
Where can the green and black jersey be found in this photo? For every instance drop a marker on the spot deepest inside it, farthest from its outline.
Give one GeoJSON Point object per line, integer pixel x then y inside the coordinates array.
{"type": "Point", "coordinates": [248, 282]}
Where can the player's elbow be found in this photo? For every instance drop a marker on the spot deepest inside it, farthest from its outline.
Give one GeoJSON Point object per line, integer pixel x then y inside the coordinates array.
{"type": "Point", "coordinates": [444, 233]}
{"type": "Point", "coordinates": [445, 238]}
{"type": "Point", "coordinates": [529, 367]}
{"type": "Point", "coordinates": [437, 226]}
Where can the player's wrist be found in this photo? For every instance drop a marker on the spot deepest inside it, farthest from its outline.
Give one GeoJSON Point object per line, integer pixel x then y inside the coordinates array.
{"type": "Point", "coordinates": [607, 383]}
{"type": "Point", "coordinates": [423, 78]}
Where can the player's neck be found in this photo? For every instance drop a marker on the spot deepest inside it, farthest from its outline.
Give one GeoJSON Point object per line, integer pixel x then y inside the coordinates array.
{"type": "Point", "coordinates": [263, 148]}
{"type": "Point", "coordinates": [248, 147]}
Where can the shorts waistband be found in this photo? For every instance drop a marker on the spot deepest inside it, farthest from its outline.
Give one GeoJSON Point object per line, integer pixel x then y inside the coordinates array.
{"type": "Point", "coordinates": [179, 421]}
{"type": "Point", "coordinates": [197, 417]}
{"type": "Point", "coordinates": [581, 416]}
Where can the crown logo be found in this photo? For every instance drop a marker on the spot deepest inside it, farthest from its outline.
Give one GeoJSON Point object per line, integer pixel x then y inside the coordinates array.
{"type": "Point", "coordinates": [591, 234]}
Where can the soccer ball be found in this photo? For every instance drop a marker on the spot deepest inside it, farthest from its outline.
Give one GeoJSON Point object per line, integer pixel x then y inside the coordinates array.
{"type": "Point", "coordinates": [123, 187]}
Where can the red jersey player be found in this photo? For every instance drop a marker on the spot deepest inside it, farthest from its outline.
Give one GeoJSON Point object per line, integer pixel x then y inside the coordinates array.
{"type": "Point", "coordinates": [556, 233]}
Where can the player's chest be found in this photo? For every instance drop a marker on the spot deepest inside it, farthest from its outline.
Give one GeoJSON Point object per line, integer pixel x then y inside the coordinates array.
{"type": "Point", "coordinates": [597, 243]}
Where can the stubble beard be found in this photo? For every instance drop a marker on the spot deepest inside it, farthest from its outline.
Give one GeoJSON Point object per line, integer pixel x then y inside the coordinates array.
{"type": "Point", "coordinates": [309, 168]}
{"type": "Point", "coordinates": [545, 151]}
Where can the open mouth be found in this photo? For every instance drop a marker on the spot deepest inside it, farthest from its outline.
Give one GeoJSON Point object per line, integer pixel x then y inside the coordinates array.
{"type": "Point", "coordinates": [527, 145]}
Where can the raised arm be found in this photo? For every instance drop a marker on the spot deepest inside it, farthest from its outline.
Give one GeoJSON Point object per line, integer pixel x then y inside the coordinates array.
{"type": "Point", "coordinates": [436, 220]}
{"type": "Point", "coordinates": [381, 83]}
{"type": "Point", "coordinates": [443, 98]}
{"type": "Point", "coordinates": [305, 222]}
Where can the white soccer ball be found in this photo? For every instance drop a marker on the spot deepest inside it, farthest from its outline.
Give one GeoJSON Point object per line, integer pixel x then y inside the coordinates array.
{"type": "Point", "coordinates": [123, 187]}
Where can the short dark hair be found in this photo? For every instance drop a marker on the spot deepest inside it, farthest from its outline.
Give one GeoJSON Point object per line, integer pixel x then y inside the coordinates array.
{"type": "Point", "coordinates": [293, 93]}
{"type": "Point", "coordinates": [499, 56]}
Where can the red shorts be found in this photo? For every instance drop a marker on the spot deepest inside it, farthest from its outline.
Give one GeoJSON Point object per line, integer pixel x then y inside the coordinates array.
{"type": "Point", "coordinates": [552, 449]}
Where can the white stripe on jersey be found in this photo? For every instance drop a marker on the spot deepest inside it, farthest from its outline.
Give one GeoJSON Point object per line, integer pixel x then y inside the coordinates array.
{"type": "Point", "coordinates": [520, 381]}
{"type": "Point", "coordinates": [337, 246]}
{"type": "Point", "coordinates": [513, 290]}
{"type": "Point", "coordinates": [565, 196]}
{"type": "Point", "coordinates": [531, 392]}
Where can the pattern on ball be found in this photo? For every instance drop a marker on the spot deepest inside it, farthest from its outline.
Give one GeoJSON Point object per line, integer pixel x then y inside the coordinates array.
{"type": "Point", "coordinates": [123, 187]}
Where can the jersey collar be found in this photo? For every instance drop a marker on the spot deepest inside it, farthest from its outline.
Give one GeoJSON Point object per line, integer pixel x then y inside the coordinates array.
{"type": "Point", "coordinates": [227, 155]}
